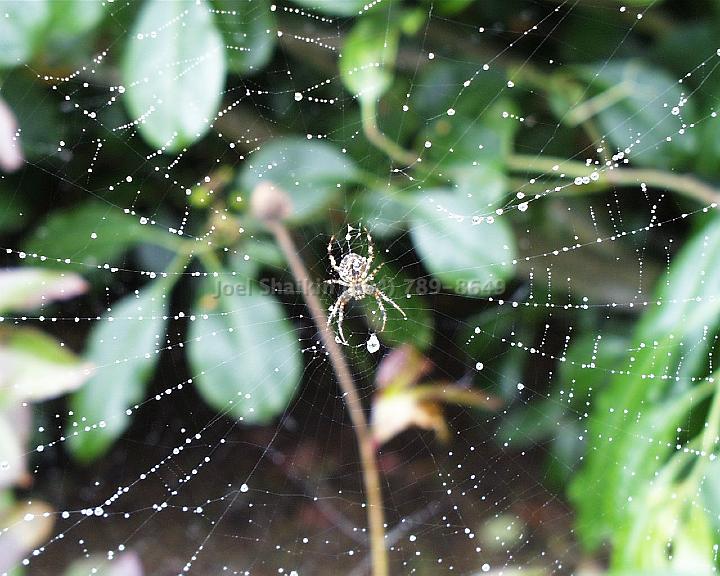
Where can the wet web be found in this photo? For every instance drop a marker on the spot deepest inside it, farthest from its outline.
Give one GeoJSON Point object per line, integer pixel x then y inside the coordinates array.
{"type": "Point", "coordinates": [191, 489]}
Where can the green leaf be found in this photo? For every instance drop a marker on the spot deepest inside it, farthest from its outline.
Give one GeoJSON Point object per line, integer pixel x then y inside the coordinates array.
{"type": "Point", "coordinates": [124, 346]}
{"type": "Point", "coordinates": [21, 29]}
{"type": "Point", "coordinates": [450, 7]}
{"type": "Point", "coordinates": [635, 101]}
{"type": "Point", "coordinates": [310, 171]}
{"type": "Point", "coordinates": [472, 151]}
{"type": "Point", "coordinates": [668, 531]}
{"type": "Point", "coordinates": [466, 257]}
{"type": "Point", "coordinates": [368, 57]}
{"type": "Point", "coordinates": [68, 234]}
{"type": "Point", "coordinates": [72, 18]}
{"type": "Point", "coordinates": [642, 401]}
{"type": "Point", "coordinates": [250, 33]}
{"type": "Point", "coordinates": [261, 253]}
{"type": "Point", "coordinates": [333, 7]}
{"type": "Point", "coordinates": [37, 367]}
{"type": "Point", "coordinates": [244, 354]}
{"type": "Point", "coordinates": [384, 213]}
{"type": "Point", "coordinates": [174, 72]}
{"type": "Point", "coordinates": [442, 87]}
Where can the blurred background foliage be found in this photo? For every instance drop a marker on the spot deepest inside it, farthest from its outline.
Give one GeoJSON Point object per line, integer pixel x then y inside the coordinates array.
{"type": "Point", "coordinates": [635, 455]}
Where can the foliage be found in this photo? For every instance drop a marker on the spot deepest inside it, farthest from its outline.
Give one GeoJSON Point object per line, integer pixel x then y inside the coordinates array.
{"type": "Point", "coordinates": [444, 184]}
{"type": "Point", "coordinates": [35, 367]}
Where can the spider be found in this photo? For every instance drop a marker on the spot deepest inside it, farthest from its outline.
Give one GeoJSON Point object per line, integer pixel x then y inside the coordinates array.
{"type": "Point", "coordinates": [354, 273]}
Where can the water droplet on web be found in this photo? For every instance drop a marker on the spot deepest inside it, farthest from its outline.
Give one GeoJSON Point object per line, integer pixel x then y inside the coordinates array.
{"type": "Point", "coordinates": [373, 344]}
{"type": "Point", "coordinates": [479, 366]}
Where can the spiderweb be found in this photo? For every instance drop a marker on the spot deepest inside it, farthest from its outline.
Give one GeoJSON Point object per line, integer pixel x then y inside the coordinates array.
{"type": "Point", "coordinates": [532, 240]}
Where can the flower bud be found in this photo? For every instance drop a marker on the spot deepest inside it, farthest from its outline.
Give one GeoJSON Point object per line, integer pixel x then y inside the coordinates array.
{"type": "Point", "coordinates": [269, 202]}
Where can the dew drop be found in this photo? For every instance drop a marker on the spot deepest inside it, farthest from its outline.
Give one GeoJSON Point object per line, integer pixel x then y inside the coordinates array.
{"type": "Point", "coordinates": [373, 344]}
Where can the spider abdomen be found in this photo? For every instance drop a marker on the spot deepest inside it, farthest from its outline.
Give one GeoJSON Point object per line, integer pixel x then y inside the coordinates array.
{"type": "Point", "coordinates": [353, 267]}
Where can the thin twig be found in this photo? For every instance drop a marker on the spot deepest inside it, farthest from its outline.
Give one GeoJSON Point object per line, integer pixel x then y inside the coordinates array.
{"type": "Point", "coordinates": [394, 536]}
{"type": "Point", "coordinates": [379, 139]}
{"type": "Point", "coordinates": [684, 184]}
{"type": "Point", "coordinates": [371, 474]}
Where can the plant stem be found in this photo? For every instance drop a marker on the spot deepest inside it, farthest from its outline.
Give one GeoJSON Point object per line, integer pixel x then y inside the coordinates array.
{"type": "Point", "coordinates": [681, 183]}
{"type": "Point", "coordinates": [373, 133]}
{"type": "Point", "coordinates": [371, 474]}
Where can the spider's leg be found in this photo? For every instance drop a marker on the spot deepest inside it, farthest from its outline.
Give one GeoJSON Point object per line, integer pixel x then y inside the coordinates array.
{"type": "Point", "coordinates": [382, 308]}
{"type": "Point", "coordinates": [333, 263]}
{"type": "Point", "coordinates": [387, 299]}
{"type": "Point", "coordinates": [334, 308]}
{"type": "Point", "coordinates": [336, 281]}
{"type": "Point", "coordinates": [341, 315]}
{"type": "Point", "coordinates": [371, 276]}
{"type": "Point", "coordinates": [371, 251]}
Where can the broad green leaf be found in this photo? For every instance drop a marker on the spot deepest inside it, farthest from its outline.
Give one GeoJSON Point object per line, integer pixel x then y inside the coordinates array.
{"type": "Point", "coordinates": [92, 234]}
{"type": "Point", "coordinates": [174, 72]}
{"type": "Point", "coordinates": [709, 493]}
{"type": "Point", "coordinates": [384, 213]}
{"type": "Point", "coordinates": [651, 392]}
{"type": "Point", "coordinates": [36, 366]}
{"type": "Point", "coordinates": [311, 172]}
{"type": "Point", "coordinates": [252, 256]}
{"type": "Point", "coordinates": [635, 101]}
{"type": "Point", "coordinates": [472, 151]}
{"type": "Point", "coordinates": [333, 7]}
{"type": "Point", "coordinates": [449, 7]}
{"type": "Point", "coordinates": [124, 346]}
{"type": "Point", "coordinates": [71, 18]}
{"type": "Point", "coordinates": [244, 354]}
{"type": "Point", "coordinates": [21, 30]}
{"type": "Point", "coordinates": [250, 32]}
{"type": "Point", "coordinates": [664, 513]}
{"type": "Point", "coordinates": [368, 57]}
{"type": "Point", "coordinates": [465, 256]}
{"type": "Point", "coordinates": [440, 88]}
{"type": "Point", "coordinates": [31, 288]}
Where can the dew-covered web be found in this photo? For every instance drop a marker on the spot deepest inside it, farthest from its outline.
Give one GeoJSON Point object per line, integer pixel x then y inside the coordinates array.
{"type": "Point", "coordinates": [542, 224]}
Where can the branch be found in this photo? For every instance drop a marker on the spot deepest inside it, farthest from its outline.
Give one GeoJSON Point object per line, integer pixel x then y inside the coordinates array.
{"type": "Point", "coordinates": [683, 184]}
{"type": "Point", "coordinates": [272, 205]}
